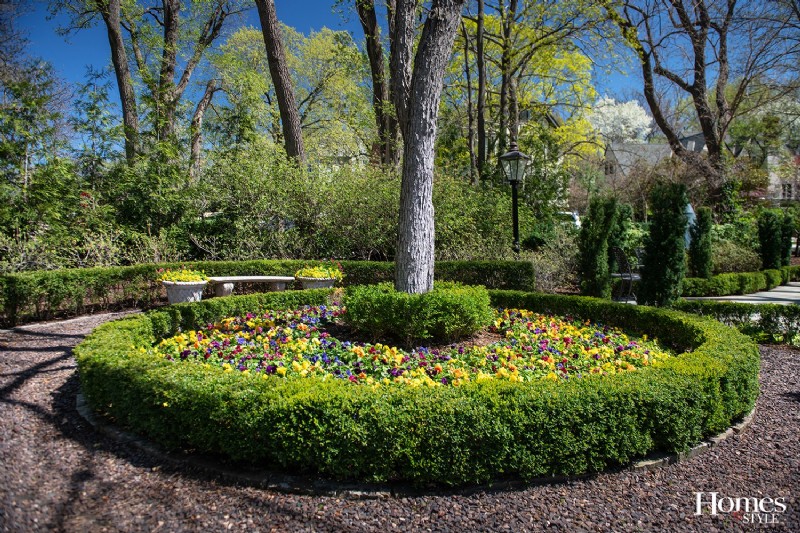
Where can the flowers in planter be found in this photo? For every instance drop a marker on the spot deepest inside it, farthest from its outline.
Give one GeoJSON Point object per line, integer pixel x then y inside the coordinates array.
{"type": "Point", "coordinates": [331, 271]}
{"type": "Point", "coordinates": [297, 344]}
{"type": "Point", "coordinates": [182, 275]}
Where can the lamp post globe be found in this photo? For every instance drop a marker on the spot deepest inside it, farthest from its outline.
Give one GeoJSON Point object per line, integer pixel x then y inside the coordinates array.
{"type": "Point", "coordinates": [515, 163]}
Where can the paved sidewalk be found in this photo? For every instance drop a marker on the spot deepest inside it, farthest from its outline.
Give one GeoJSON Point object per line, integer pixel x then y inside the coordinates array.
{"type": "Point", "coordinates": [783, 294]}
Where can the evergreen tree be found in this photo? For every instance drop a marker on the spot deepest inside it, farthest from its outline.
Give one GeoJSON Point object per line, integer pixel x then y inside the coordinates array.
{"type": "Point", "coordinates": [664, 256]}
{"type": "Point", "coordinates": [593, 247]}
{"type": "Point", "coordinates": [700, 247]}
{"type": "Point", "coordinates": [770, 238]}
{"type": "Point", "coordinates": [787, 232]}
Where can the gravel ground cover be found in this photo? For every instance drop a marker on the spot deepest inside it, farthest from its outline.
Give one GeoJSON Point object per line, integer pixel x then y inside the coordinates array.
{"type": "Point", "coordinates": [58, 474]}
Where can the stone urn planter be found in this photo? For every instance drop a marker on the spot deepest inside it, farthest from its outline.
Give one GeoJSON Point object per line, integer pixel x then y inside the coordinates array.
{"type": "Point", "coordinates": [184, 291]}
{"type": "Point", "coordinates": [316, 283]}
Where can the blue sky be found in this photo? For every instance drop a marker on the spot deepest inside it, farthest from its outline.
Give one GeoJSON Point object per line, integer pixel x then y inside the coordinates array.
{"type": "Point", "coordinates": [90, 46]}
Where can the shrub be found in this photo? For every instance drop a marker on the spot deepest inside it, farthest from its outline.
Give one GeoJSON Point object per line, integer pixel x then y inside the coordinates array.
{"type": "Point", "coordinates": [619, 231]}
{"type": "Point", "coordinates": [765, 323]}
{"type": "Point", "coordinates": [447, 435]}
{"type": "Point", "coordinates": [593, 247]}
{"type": "Point", "coordinates": [38, 295]}
{"type": "Point", "coordinates": [446, 313]}
{"type": "Point", "coordinates": [730, 257]}
{"type": "Point", "coordinates": [664, 262]}
{"type": "Point", "coordinates": [740, 282]}
{"type": "Point", "coordinates": [555, 263]}
{"type": "Point", "coordinates": [770, 237]}
{"type": "Point", "coordinates": [787, 232]}
{"type": "Point", "coordinates": [700, 247]}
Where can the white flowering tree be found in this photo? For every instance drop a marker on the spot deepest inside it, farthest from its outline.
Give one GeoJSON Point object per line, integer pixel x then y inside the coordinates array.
{"type": "Point", "coordinates": [620, 122]}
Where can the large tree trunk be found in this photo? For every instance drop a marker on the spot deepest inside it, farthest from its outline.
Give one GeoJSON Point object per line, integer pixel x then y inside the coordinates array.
{"type": "Point", "coordinates": [417, 99]}
{"type": "Point", "coordinates": [166, 78]}
{"type": "Point", "coordinates": [387, 152]}
{"type": "Point", "coordinates": [290, 116]}
{"type": "Point", "coordinates": [130, 117]}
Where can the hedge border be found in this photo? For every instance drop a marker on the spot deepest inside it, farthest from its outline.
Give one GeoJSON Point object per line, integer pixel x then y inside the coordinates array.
{"type": "Point", "coordinates": [30, 296]}
{"type": "Point", "coordinates": [739, 282]}
{"type": "Point", "coordinates": [294, 484]}
{"type": "Point", "coordinates": [765, 323]}
{"type": "Point", "coordinates": [453, 436]}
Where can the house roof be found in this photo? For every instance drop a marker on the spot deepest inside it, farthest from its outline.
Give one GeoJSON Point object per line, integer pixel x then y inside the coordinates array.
{"type": "Point", "coordinates": [629, 155]}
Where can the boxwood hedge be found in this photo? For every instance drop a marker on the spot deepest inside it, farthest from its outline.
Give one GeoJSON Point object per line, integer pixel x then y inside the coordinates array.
{"type": "Point", "coordinates": [446, 313]}
{"type": "Point", "coordinates": [448, 435]}
{"type": "Point", "coordinates": [765, 323]}
{"type": "Point", "coordinates": [739, 282]}
{"type": "Point", "coordinates": [38, 295]}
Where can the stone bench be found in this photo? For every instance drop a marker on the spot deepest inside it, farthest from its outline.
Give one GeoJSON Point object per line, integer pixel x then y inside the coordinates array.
{"type": "Point", "coordinates": [223, 285]}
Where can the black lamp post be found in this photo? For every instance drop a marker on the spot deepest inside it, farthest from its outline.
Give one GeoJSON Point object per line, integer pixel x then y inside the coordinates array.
{"type": "Point", "coordinates": [515, 163]}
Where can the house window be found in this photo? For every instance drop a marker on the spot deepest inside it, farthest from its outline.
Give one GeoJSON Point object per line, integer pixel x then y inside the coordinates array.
{"type": "Point", "coordinates": [787, 192]}
{"type": "Point", "coordinates": [610, 168]}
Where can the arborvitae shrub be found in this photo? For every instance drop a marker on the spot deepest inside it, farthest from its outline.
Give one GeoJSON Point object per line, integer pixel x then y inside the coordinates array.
{"type": "Point", "coordinates": [616, 236]}
{"type": "Point", "coordinates": [448, 312]}
{"type": "Point", "coordinates": [787, 232]}
{"type": "Point", "coordinates": [700, 248]}
{"type": "Point", "coordinates": [593, 247]}
{"type": "Point", "coordinates": [770, 237]}
{"type": "Point", "coordinates": [664, 256]}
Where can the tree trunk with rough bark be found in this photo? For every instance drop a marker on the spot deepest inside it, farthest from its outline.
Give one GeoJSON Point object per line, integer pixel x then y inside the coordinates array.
{"type": "Point", "coordinates": [281, 80]}
{"type": "Point", "coordinates": [386, 151]}
{"type": "Point", "coordinates": [417, 94]}
{"type": "Point", "coordinates": [127, 96]}
{"type": "Point", "coordinates": [166, 76]}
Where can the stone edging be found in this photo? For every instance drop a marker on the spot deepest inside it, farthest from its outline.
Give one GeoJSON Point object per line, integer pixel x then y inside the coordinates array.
{"type": "Point", "coordinates": [296, 484]}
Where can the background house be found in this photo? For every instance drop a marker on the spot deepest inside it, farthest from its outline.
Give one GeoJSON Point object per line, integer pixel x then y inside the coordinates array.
{"type": "Point", "coordinates": [783, 169]}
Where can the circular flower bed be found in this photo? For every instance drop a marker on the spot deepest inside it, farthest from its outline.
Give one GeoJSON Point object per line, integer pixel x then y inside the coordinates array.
{"type": "Point", "coordinates": [296, 343]}
{"type": "Point", "coordinates": [480, 430]}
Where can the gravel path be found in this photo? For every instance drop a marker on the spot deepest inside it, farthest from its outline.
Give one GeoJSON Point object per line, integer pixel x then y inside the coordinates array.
{"type": "Point", "coordinates": [58, 473]}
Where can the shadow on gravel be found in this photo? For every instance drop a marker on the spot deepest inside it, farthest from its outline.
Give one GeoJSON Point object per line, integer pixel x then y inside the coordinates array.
{"type": "Point", "coordinates": [35, 370]}
{"type": "Point", "coordinates": [793, 396]}
{"type": "Point", "coordinates": [39, 349]}
{"type": "Point", "coordinates": [46, 334]}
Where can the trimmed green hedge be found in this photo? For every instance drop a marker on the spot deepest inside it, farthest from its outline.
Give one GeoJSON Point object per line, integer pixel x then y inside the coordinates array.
{"type": "Point", "coordinates": [39, 295]}
{"type": "Point", "coordinates": [449, 435]}
{"type": "Point", "coordinates": [445, 314]}
{"type": "Point", "coordinates": [765, 323]}
{"type": "Point", "coordinates": [739, 283]}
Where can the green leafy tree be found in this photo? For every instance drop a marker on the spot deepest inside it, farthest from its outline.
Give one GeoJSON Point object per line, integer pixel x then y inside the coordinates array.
{"type": "Point", "coordinates": [664, 256]}
{"type": "Point", "coordinates": [533, 69]}
{"type": "Point", "coordinates": [99, 133]}
{"type": "Point", "coordinates": [327, 74]}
